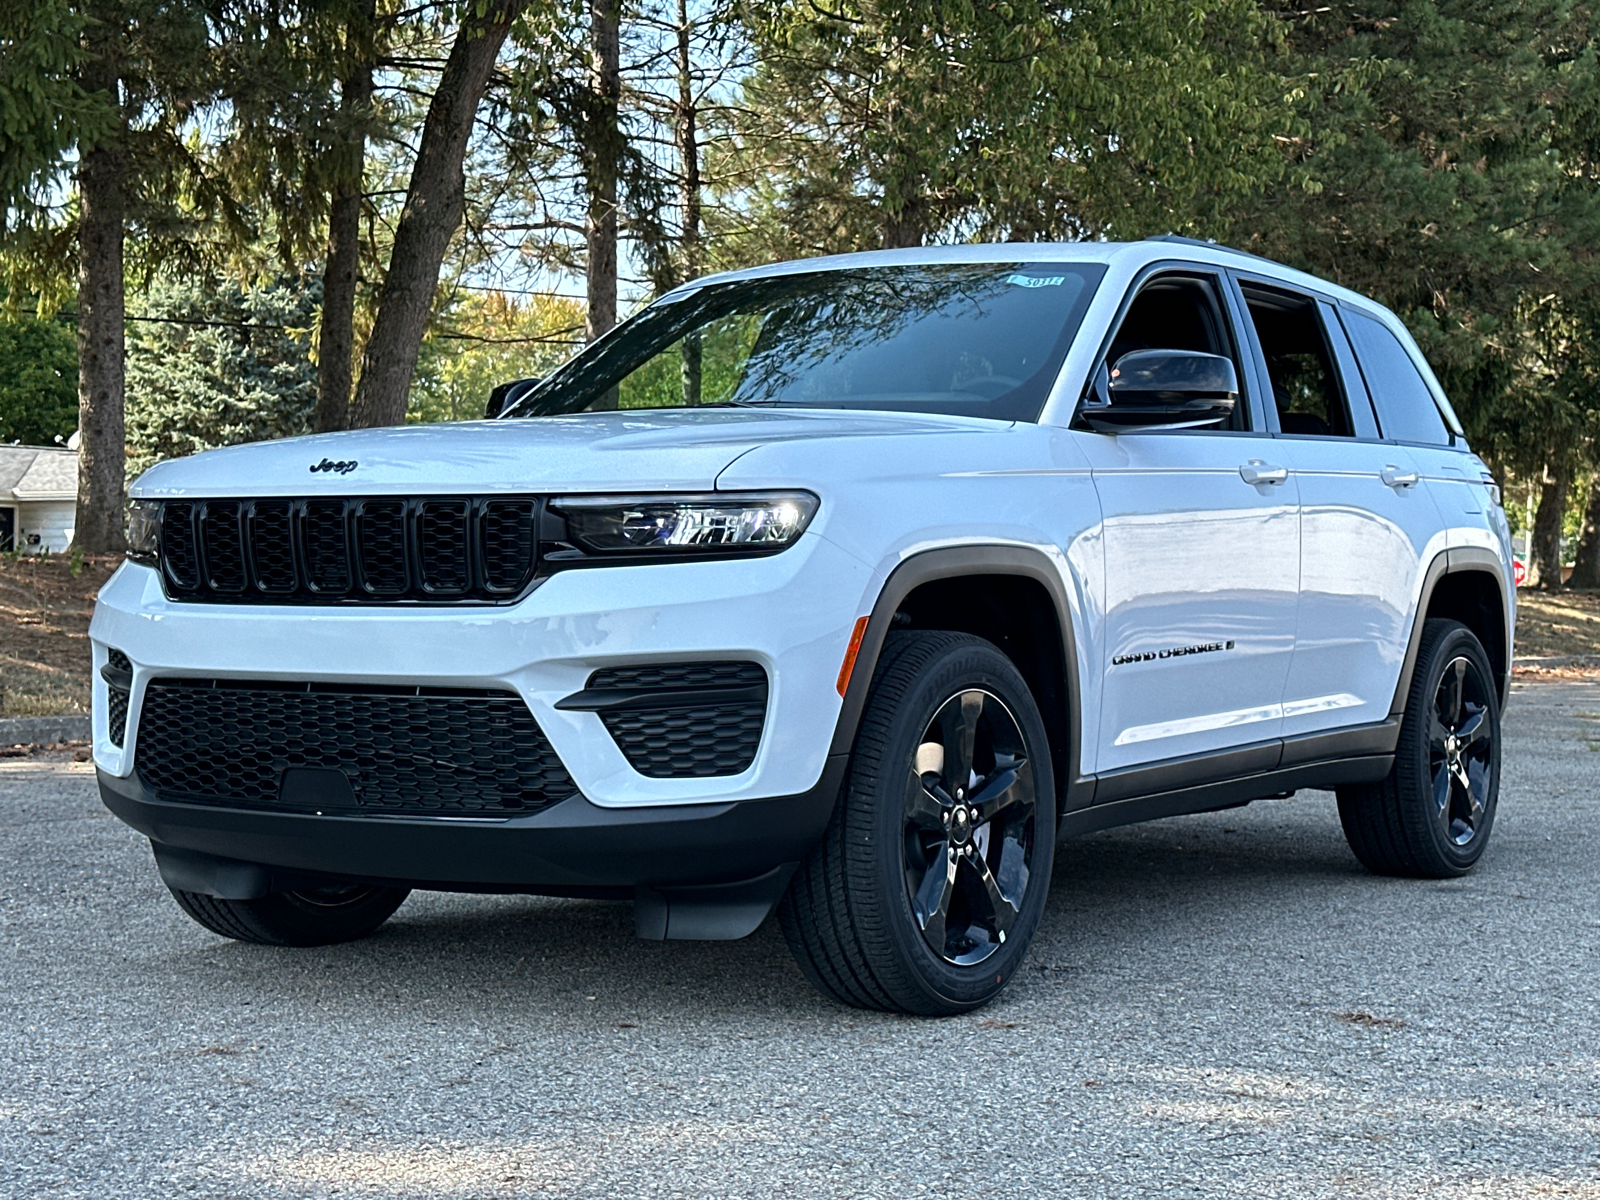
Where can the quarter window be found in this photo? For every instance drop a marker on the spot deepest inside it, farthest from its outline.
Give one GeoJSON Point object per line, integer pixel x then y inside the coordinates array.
{"type": "Point", "coordinates": [1406, 408]}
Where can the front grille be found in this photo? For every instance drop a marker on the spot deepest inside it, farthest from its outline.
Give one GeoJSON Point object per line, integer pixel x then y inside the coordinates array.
{"type": "Point", "coordinates": [403, 751]}
{"type": "Point", "coordinates": [375, 550]}
{"type": "Point", "coordinates": [678, 720]}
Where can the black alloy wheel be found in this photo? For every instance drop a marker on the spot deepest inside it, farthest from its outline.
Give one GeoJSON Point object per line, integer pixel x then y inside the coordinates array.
{"type": "Point", "coordinates": [926, 889]}
{"type": "Point", "coordinates": [1431, 817]}
{"type": "Point", "coordinates": [1461, 750]}
{"type": "Point", "coordinates": [969, 827]}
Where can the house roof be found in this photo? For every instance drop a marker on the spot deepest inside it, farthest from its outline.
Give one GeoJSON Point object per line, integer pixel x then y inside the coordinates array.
{"type": "Point", "coordinates": [38, 473]}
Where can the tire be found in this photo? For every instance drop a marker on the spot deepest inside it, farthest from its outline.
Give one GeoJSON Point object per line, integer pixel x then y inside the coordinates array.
{"type": "Point", "coordinates": [319, 917]}
{"type": "Point", "coordinates": [1431, 817]}
{"type": "Point", "coordinates": [873, 899]}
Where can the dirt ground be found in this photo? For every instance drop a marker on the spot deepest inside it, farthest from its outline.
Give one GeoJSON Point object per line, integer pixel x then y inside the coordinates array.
{"type": "Point", "coordinates": [44, 633]}
{"type": "Point", "coordinates": [1557, 623]}
{"type": "Point", "coordinates": [45, 610]}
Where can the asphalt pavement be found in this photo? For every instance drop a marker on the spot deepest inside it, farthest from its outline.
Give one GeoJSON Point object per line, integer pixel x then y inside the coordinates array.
{"type": "Point", "coordinates": [1215, 1006]}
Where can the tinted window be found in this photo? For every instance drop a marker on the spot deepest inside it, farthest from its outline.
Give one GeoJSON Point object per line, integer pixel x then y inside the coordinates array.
{"type": "Point", "coordinates": [1406, 411]}
{"type": "Point", "coordinates": [975, 339]}
{"type": "Point", "coordinates": [1305, 387]}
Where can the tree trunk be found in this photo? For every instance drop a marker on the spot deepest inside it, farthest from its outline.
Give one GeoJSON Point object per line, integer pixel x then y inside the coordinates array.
{"type": "Point", "coordinates": [1586, 571]}
{"type": "Point", "coordinates": [340, 276]}
{"type": "Point", "coordinates": [689, 160]}
{"type": "Point", "coordinates": [1544, 559]}
{"type": "Point", "coordinates": [600, 225]}
{"type": "Point", "coordinates": [102, 452]}
{"type": "Point", "coordinates": [434, 205]}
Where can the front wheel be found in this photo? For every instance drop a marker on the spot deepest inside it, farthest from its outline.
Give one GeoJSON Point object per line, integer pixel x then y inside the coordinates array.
{"type": "Point", "coordinates": [312, 917]}
{"type": "Point", "coordinates": [1430, 819]}
{"type": "Point", "coordinates": [929, 883]}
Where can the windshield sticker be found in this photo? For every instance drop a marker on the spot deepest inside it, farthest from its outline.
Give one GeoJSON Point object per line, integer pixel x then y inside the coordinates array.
{"type": "Point", "coordinates": [1036, 280]}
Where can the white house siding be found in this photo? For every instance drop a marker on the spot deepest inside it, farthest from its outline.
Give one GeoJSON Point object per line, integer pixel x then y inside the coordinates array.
{"type": "Point", "coordinates": [52, 520]}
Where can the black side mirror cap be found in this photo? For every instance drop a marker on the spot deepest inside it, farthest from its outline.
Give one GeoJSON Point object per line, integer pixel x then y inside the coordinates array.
{"type": "Point", "coordinates": [1162, 389]}
{"type": "Point", "coordinates": [507, 394]}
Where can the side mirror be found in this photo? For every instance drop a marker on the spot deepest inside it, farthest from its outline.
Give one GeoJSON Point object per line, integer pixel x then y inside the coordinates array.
{"type": "Point", "coordinates": [1162, 389]}
{"type": "Point", "coordinates": [506, 394]}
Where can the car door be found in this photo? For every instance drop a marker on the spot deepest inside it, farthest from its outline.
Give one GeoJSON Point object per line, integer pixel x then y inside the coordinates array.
{"type": "Point", "coordinates": [1200, 532]}
{"type": "Point", "coordinates": [1410, 418]}
{"type": "Point", "coordinates": [1367, 527]}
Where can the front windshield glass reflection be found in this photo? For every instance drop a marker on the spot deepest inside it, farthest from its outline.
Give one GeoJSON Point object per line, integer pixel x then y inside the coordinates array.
{"type": "Point", "coordinates": [974, 339]}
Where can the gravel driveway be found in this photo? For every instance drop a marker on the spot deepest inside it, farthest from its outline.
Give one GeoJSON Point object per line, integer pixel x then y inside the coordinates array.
{"type": "Point", "coordinates": [1215, 1005]}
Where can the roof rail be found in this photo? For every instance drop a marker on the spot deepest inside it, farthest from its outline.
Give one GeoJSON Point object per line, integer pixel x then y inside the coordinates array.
{"type": "Point", "coordinates": [1179, 239]}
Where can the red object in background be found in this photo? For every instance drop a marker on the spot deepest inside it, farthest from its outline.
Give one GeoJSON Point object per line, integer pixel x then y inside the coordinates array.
{"type": "Point", "coordinates": [1519, 572]}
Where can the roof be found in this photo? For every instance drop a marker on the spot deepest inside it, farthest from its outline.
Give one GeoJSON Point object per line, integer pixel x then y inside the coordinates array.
{"type": "Point", "coordinates": [38, 473]}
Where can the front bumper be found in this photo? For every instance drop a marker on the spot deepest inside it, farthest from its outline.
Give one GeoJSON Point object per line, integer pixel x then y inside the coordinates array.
{"type": "Point", "coordinates": [792, 613]}
{"type": "Point", "coordinates": [572, 848]}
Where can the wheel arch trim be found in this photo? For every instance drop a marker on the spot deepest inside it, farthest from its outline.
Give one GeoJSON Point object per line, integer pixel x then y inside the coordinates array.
{"type": "Point", "coordinates": [1460, 560]}
{"type": "Point", "coordinates": [951, 562]}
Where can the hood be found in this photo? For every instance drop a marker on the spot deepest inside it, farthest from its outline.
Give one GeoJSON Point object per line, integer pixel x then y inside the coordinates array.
{"type": "Point", "coordinates": [647, 450]}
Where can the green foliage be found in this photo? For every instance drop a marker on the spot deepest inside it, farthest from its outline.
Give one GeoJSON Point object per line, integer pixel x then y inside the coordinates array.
{"type": "Point", "coordinates": [132, 77]}
{"type": "Point", "coordinates": [874, 123]}
{"type": "Point", "coordinates": [481, 340]}
{"type": "Point", "coordinates": [1440, 183]}
{"type": "Point", "coordinates": [44, 110]}
{"type": "Point", "coordinates": [226, 364]}
{"type": "Point", "coordinates": [38, 381]}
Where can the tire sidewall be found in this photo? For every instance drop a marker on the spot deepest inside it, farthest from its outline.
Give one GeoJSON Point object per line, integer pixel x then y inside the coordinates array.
{"type": "Point", "coordinates": [961, 667]}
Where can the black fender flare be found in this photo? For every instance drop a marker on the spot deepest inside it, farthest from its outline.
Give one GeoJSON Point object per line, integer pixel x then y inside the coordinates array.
{"type": "Point", "coordinates": [1453, 562]}
{"type": "Point", "coordinates": [952, 562]}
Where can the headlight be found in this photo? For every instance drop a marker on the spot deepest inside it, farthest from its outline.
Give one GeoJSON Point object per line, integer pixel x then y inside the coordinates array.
{"type": "Point", "coordinates": [144, 526]}
{"type": "Point", "coordinates": [704, 525]}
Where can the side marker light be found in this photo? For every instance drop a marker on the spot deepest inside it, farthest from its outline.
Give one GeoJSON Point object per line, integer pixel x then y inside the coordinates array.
{"type": "Point", "coordinates": [849, 665]}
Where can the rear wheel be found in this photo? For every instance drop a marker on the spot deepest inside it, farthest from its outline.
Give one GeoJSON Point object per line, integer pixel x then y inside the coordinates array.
{"type": "Point", "coordinates": [1430, 819]}
{"type": "Point", "coordinates": [311, 917]}
{"type": "Point", "coordinates": [928, 886]}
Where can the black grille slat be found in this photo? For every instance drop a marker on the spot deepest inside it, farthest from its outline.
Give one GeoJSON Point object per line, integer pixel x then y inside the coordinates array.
{"type": "Point", "coordinates": [673, 676]}
{"type": "Point", "coordinates": [443, 552]}
{"type": "Point", "coordinates": [438, 753]}
{"type": "Point", "coordinates": [686, 738]}
{"type": "Point", "coordinates": [269, 534]}
{"type": "Point", "coordinates": [222, 546]}
{"type": "Point", "coordinates": [351, 550]}
{"type": "Point", "coordinates": [380, 528]}
{"type": "Point", "coordinates": [325, 544]}
{"type": "Point", "coordinates": [506, 535]}
{"type": "Point", "coordinates": [178, 556]}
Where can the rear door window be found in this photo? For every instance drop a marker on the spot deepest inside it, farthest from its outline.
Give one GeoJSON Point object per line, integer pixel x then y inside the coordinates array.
{"type": "Point", "coordinates": [1305, 385]}
{"type": "Point", "coordinates": [1405, 404]}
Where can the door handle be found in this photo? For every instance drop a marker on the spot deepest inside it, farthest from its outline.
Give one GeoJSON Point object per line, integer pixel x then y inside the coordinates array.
{"type": "Point", "coordinates": [1255, 471]}
{"type": "Point", "coordinates": [1398, 477]}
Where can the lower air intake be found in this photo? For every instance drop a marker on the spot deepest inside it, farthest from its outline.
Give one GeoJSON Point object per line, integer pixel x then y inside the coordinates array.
{"type": "Point", "coordinates": [403, 751]}
{"type": "Point", "coordinates": [684, 720]}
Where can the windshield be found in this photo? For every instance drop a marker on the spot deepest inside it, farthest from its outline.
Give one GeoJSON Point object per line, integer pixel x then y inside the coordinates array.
{"type": "Point", "coordinates": [973, 339]}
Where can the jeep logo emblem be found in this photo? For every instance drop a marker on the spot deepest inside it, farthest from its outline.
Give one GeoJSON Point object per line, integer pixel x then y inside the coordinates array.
{"type": "Point", "coordinates": [339, 468]}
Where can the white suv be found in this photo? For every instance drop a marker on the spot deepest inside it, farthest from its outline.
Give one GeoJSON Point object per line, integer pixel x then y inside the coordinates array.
{"type": "Point", "coordinates": [841, 587]}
